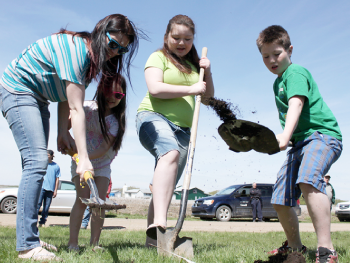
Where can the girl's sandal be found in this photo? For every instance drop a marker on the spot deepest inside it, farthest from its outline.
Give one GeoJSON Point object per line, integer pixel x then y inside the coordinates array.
{"type": "Point", "coordinates": [152, 230]}
{"type": "Point", "coordinates": [72, 248]}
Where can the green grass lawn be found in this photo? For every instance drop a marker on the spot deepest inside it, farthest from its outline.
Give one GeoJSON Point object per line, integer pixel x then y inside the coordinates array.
{"type": "Point", "coordinates": [128, 246]}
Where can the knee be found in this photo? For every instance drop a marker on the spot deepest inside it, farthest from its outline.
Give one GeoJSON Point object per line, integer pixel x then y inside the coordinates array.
{"type": "Point", "coordinates": [279, 208]}
{"type": "Point", "coordinates": [37, 161]}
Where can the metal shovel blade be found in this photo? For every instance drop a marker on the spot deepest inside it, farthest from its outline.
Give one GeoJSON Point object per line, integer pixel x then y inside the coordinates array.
{"type": "Point", "coordinates": [243, 136]}
{"type": "Point", "coordinates": [92, 200]}
{"type": "Point", "coordinates": [168, 240]}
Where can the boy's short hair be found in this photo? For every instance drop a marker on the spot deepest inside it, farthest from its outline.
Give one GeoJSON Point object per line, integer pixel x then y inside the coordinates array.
{"type": "Point", "coordinates": [50, 152]}
{"type": "Point", "coordinates": [274, 34]}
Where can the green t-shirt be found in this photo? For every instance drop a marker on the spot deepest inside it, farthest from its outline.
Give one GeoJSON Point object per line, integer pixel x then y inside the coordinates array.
{"type": "Point", "coordinates": [315, 115]}
{"type": "Point", "coordinates": [179, 110]}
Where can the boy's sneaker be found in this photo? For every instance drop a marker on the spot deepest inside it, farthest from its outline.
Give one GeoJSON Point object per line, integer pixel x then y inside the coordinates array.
{"type": "Point", "coordinates": [285, 249]}
{"type": "Point", "coordinates": [325, 255]}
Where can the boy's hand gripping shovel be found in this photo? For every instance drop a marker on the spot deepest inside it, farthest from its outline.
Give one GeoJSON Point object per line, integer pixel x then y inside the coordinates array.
{"type": "Point", "coordinates": [169, 240]}
{"type": "Point", "coordinates": [94, 201]}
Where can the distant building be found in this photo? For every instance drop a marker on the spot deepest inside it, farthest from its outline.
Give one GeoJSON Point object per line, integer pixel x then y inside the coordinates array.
{"type": "Point", "coordinates": [194, 193]}
{"type": "Point", "coordinates": [138, 193]}
{"type": "Point", "coordinates": [115, 193]}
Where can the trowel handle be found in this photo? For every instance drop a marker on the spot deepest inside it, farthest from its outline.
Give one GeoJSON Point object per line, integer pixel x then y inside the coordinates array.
{"type": "Point", "coordinates": [87, 174]}
{"type": "Point", "coordinates": [192, 144]}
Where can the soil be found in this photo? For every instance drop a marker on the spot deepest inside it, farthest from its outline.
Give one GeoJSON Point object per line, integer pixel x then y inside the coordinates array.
{"type": "Point", "coordinates": [223, 109]}
{"type": "Point", "coordinates": [241, 135]}
{"type": "Point", "coordinates": [295, 257]}
{"type": "Point", "coordinates": [137, 206]}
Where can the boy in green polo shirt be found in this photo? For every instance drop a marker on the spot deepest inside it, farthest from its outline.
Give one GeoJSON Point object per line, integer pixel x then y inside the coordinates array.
{"type": "Point", "coordinates": [312, 128]}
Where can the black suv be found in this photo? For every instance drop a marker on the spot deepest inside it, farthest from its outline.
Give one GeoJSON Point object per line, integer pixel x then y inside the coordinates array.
{"type": "Point", "coordinates": [233, 202]}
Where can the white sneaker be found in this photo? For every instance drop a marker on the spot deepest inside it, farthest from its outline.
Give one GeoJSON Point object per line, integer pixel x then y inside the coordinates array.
{"type": "Point", "coordinates": [48, 246]}
{"type": "Point", "coordinates": [37, 253]}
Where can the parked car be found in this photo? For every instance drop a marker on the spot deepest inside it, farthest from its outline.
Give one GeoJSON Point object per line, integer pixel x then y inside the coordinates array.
{"type": "Point", "coordinates": [233, 202]}
{"type": "Point", "coordinates": [342, 211]}
{"type": "Point", "coordinates": [62, 203]}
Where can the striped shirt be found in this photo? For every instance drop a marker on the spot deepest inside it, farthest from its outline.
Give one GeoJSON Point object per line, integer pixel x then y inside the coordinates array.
{"type": "Point", "coordinates": [42, 69]}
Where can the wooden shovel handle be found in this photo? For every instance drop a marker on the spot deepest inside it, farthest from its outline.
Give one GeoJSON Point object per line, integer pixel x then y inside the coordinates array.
{"type": "Point", "coordinates": [192, 144]}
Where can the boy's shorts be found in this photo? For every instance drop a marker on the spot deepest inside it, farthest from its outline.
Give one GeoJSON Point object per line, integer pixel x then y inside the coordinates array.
{"type": "Point", "coordinates": [159, 136]}
{"type": "Point", "coordinates": [307, 162]}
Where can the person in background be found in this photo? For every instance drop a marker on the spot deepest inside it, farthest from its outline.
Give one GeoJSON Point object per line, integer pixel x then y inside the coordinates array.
{"type": "Point", "coordinates": [330, 190]}
{"type": "Point", "coordinates": [255, 202]}
{"type": "Point", "coordinates": [49, 188]}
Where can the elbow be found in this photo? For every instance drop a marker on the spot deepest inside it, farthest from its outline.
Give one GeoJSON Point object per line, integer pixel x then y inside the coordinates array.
{"type": "Point", "coordinates": [155, 93]}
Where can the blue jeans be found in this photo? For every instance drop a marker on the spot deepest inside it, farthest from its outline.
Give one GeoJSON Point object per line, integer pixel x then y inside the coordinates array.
{"type": "Point", "coordinates": [46, 197]}
{"type": "Point", "coordinates": [159, 136]}
{"type": "Point", "coordinates": [256, 209]}
{"type": "Point", "coordinates": [28, 120]}
{"type": "Point", "coordinates": [86, 217]}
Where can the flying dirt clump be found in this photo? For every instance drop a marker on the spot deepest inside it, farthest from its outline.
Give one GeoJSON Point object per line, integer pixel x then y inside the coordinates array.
{"type": "Point", "coordinates": [295, 257]}
{"type": "Point", "coordinates": [223, 109]}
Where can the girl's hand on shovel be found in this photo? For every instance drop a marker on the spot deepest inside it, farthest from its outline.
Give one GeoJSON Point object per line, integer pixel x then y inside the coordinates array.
{"type": "Point", "coordinates": [198, 88]}
{"type": "Point", "coordinates": [83, 166]}
{"type": "Point", "coordinates": [204, 62]}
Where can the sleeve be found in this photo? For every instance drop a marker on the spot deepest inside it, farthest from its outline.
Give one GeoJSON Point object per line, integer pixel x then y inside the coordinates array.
{"type": "Point", "coordinates": [109, 185]}
{"type": "Point", "coordinates": [157, 60]}
{"type": "Point", "coordinates": [333, 195]}
{"type": "Point", "coordinates": [70, 58]}
{"type": "Point", "coordinates": [58, 171]}
{"type": "Point", "coordinates": [297, 85]}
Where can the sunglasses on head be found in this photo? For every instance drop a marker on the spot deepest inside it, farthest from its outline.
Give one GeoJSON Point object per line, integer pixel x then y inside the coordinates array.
{"type": "Point", "coordinates": [118, 95]}
{"type": "Point", "coordinates": [113, 44]}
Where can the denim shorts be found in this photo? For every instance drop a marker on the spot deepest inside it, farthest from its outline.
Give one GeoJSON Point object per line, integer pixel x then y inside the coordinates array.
{"type": "Point", "coordinates": [159, 136]}
{"type": "Point", "coordinates": [307, 163]}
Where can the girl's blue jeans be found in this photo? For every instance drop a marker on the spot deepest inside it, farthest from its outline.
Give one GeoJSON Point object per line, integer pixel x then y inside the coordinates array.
{"type": "Point", "coordinates": [28, 119]}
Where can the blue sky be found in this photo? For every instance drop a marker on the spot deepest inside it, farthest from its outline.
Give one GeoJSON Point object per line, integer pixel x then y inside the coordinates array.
{"type": "Point", "coordinates": [320, 35]}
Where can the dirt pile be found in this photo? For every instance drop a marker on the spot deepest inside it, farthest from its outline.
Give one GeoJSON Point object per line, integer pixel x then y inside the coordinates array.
{"type": "Point", "coordinates": [295, 257]}
{"type": "Point", "coordinates": [139, 206]}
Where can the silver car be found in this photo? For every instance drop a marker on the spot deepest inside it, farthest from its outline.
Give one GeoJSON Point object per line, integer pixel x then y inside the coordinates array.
{"type": "Point", "coordinates": [62, 203]}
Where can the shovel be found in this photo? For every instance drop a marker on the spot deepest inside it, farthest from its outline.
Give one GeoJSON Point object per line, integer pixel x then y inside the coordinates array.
{"type": "Point", "coordinates": [243, 136]}
{"type": "Point", "coordinates": [94, 201]}
{"type": "Point", "coordinates": [168, 240]}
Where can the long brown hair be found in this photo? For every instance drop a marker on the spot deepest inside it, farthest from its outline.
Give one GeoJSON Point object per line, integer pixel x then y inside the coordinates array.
{"type": "Point", "coordinates": [118, 112]}
{"type": "Point", "coordinates": [191, 56]}
{"type": "Point", "coordinates": [102, 69]}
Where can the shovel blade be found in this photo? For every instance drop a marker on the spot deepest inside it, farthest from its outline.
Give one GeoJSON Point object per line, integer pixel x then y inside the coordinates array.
{"type": "Point", "coordinates": [93, 200]}
{"type": "Point", "coordinates": [169, 241]}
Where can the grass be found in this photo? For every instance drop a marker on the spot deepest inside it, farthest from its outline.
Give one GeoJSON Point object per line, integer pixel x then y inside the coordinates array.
{"type": "Point", "coordinates": [128, 246]}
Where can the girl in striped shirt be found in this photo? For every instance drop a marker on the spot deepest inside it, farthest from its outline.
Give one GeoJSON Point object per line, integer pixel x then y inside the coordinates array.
{"type": "Point", "coordinates": [58, 68]}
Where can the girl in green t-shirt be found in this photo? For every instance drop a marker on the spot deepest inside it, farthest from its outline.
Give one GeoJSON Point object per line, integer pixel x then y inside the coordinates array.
{"type": "Point", "coordinates": [165, 115]}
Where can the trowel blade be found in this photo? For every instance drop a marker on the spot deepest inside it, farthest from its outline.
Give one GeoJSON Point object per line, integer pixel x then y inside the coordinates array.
{"type": "Point", "coordinates": [93, 200]}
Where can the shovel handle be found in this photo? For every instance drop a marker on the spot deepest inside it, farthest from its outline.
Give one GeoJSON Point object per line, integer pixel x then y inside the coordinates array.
{"type": "Point", "coordinates": [192, 144]}
{"type": "Point", "coordinates": [87, 174]}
